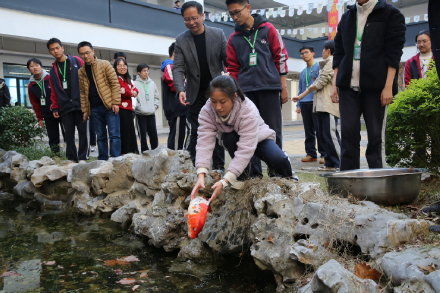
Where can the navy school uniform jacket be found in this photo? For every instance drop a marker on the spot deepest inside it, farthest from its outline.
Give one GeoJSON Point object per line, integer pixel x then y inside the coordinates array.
{"type": "Point", "coordinates": [271, 57]}
{"type": "Point", "coordinates": [34, 92]}
{"type": "Point", "coordinates": [61, 101]}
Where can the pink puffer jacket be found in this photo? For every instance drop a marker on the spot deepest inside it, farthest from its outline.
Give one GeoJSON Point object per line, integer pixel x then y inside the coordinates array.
{"type": "Point", "coordinates": [243, 119]}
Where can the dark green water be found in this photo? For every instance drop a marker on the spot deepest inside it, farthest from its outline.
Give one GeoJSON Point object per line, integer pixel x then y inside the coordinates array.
{"type": "Point", "coordinates": [79, 246]}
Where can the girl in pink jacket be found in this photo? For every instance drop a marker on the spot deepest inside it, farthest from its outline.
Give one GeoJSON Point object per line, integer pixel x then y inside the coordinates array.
{"type": "Point", "coordinates": [235, 119]}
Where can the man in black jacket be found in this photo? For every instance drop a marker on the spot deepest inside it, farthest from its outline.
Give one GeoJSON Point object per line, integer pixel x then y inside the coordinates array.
{"type": "Point", "coordinates": [5, 97]}
{"type": "Point", "coordinates": [65, 102]}
{"type": "Point", "coordinates": [369, 44]}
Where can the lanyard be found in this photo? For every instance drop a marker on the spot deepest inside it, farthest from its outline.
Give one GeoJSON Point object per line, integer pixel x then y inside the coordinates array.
{"type": "Point", "coordinates": [358, 35]}
{"type": "Point", "coordinates": [253, 43]}
{"type": "Point", "coordinates": [146, 88]}
{"type": "Point", "coordinates": [308, 78]}
{"type": "Point", "coordinates": [42, 88]}
{"type": "Point", "coordinates": [63, 73]}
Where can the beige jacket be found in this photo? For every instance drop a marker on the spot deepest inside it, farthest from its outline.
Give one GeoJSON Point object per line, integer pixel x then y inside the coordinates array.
{"type": "Point", "coordinates": [322, 101]}
{"type": "Point", "coordinates": [106, 82]}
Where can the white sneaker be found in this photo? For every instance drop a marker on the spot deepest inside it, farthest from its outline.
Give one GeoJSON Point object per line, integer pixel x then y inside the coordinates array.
{"type": "Point", "coordinates": [92, 148]}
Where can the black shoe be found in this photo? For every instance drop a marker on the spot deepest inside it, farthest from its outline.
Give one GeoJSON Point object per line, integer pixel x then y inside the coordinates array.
{"type": "Point", "coordinates": [434, 208]}
{"type": "Point", "coordinates": [434, 228]}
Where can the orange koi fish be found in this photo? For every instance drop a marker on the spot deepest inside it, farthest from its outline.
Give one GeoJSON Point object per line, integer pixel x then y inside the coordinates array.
{"type": "Point", "coordinates": [196, 217]}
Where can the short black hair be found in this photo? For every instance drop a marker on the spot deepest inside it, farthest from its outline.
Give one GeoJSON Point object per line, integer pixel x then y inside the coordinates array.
{"type": "Point", "coordinates": [330, 45]}
{"type": "Point", "coordinates": [142, 66]}
{"type": "Point", "coordinates": [84, 44]}
{"type": "Point", "coordinates": [119, 54]}
{"type": "Point", "coordinates": [243, 2]}
{"type": "Point", "coordinates": [190, 4]}
{"type": "Point", "coordinates": [53, 41]}
{"type": "Point", "coordinates": [35, 60]}
{"type": "Point", "coordinates": [307, 48]}
{"type": "Point", "coordinates": [423, 32]}
{"type": "Point", "coordinates": [171, 49]}
{"type": "Point", "coordinates": [176, 1]}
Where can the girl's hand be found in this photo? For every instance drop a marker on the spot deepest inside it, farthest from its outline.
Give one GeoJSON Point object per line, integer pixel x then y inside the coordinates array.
{"type": "Point", "coordinates": [200, 184]}
{"type": "Point", "coordinates": [218, 188]}
{"type": "Point", "coordinates": [122, 91]}
{"type": "Point", "coordinates": [134, 93]}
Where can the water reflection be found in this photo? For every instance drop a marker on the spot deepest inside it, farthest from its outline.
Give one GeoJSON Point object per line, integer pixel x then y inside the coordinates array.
{"type": "Point", "coordinates": [67, 253]}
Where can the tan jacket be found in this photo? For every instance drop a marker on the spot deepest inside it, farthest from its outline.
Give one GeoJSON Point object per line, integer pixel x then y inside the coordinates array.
{"type": "Point", "coordinates": [322, 101]}
{"type": "Point", "coordinates": [106, 82]}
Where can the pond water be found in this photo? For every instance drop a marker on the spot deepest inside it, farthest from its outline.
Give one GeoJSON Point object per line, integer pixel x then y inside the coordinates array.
{"type": "Point", "coordinates": [49, 252]}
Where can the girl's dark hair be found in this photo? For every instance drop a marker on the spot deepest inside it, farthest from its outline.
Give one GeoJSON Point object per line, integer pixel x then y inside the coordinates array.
{"type": "Point", "coordinates": [35, 60]}
{"type": "Point", "coordinates": [330, 45]}
{"type": "Point", "coordinates": [424, 32]}
{"type": "Point", "coordinates": [226, 84]}
{"type": "Point", "coordinates": [126, 76]}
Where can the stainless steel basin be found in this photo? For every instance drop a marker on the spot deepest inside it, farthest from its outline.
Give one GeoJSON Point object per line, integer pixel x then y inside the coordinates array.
{"type": "Point", "coordinates": [385, 186]}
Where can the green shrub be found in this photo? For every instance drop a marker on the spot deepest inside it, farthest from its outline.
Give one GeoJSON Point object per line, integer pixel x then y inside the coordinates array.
{"type": "Point", "coordinates": [18, 128]}
{"type": "Point", "coordinates": [413, 125]}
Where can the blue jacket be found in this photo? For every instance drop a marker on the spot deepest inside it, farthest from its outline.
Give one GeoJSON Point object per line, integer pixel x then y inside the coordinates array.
{"type": "Point", "coordinates": [313, 73]}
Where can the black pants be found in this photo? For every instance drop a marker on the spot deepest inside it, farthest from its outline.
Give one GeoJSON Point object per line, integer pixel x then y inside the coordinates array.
{"type": "Point", "coordinates": [53, 131]}
{"type": "Point", "coordinates": [70, 121]}
{"type": "Point", "coordinates": [147, 126]}
{"type": "Point", "coordinates": [310, 122]}
{"type": "Point", "coordinates": [92, 133]}
{"type": "Point", "coordinates": [330, 139]}
{"type": "Point", "coordinates": [269, 105]}
{"type": "Point", "coordinates": [352, 105]}
{"type": "Point", "coordinates": [218, 156]}
{"type": "Point", "coordinates": [128, 133]}
{"type": "Point", "coordinates": [177, 135]}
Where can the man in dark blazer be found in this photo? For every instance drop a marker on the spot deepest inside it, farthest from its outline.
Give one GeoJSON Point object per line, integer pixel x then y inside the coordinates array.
{"type": "Point", "coordinates": [199, 56]}
{"type": "Point", "coordinates": [368, 48]}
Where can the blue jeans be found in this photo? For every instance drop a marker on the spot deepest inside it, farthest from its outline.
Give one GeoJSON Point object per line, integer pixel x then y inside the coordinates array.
{"type": "Point", "coordinates": [267, 150]}
{"type": "Point", "coordinates": [104, 119]}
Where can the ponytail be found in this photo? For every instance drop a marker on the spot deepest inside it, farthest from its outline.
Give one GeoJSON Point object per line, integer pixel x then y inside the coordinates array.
{"type": "Point", "coordinates": [228, 85]}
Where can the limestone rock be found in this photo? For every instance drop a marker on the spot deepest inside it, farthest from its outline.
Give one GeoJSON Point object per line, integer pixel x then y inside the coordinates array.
{"type": "Point", "coordinates": [124, 214]}
{"type": "Point", "coordinates": [421, 264]}
{"type": "Point", "coordinates": [44, 161]}
{"type": "Point", "coordinates": [333, 277]}
{"type": "Point", "coordinates": [113, 201]}
{"type": "Point", "coordinates": [80, 175]}
{"type": "Point", "coordinates": [164, 226]}
{"type": "Point", "coordinates": [14, 165]}
{"type": "Point", "coordinates": [51, 173]}
{"type": "Point", "coordinates": [414, 286]}
{"type": "Point", "coordinates": [99, 177]}
{"type": "Point", "coordinates": [25, 189]}
{"type": "Point", "coordinates": [195, 249]}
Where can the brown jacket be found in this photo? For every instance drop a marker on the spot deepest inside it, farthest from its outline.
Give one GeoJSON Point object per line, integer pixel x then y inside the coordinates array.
{"type": "Point", "coordinates": [106, 83]}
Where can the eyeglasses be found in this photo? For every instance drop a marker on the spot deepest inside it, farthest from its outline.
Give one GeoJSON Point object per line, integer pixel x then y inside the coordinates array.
{"type": "Point", "coordinates": [189, 19]}
{"type": "Point", "coordinates": [236, 12]}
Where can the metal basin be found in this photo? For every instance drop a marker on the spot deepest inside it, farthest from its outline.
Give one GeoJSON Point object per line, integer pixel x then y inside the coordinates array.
{"type": "Point", "coordinates": [384, 186]}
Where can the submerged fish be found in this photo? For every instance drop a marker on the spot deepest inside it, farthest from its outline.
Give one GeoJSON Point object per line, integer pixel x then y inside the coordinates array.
{"type": "Point", "coordinates": [196, 217]}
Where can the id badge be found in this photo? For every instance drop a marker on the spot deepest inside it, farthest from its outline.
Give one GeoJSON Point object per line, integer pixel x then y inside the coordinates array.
{"type": "Point", "coordinates": [252, 59]}
{"type": "Point", "coordinates": [64, 84]}
{"type": "Point", "coordinates": [43, 101]}
{"type": "Point", "coordinates": [357, 52]}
